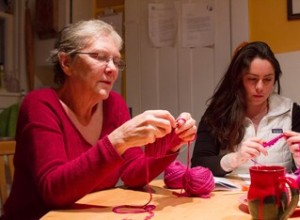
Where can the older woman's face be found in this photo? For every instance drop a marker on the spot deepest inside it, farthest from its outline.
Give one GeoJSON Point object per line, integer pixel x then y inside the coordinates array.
{"type": "Point", "coordinates": [93, 68]}
{"type": "Point", "coordinates": [259, 82]}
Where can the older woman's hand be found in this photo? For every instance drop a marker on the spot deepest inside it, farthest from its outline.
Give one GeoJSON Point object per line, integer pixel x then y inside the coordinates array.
{"type": "Point", "coordinates": [186, 129]}
{"type": "Point", "coordinates": [144, 129]}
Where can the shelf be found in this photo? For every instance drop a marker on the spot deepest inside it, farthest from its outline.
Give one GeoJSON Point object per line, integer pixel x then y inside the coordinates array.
{"type": "Point", "coordinates": [5, 15]}
{"type": "Point", "coordinates": [103, 3]}
{"type": "Point", "coordinates": [116, 8]}
{"type": "Point", "coordinates": [11, 94]}
{"type": "Point", "coordinates": [9, 98]}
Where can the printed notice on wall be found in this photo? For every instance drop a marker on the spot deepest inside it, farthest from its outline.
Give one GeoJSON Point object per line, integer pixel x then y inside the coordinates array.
{"type": "Point", "coordinates": [198, 24]}
{"type": "Point", "coordinates": [162, 24]}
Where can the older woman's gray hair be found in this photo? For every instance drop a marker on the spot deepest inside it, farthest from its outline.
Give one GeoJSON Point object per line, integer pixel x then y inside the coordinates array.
{"type": "Point", "coordinates": [76, 37]}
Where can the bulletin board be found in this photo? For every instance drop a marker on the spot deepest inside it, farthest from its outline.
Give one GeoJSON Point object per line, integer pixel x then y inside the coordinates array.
{"type": "Point", "coordinates": [268, 21]}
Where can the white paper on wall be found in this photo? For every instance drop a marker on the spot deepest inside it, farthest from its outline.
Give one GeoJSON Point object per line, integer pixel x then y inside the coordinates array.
{"type": "Point", "coordinates": [198, 24]}
{"type": "Point", "coordinates": [162, 23]}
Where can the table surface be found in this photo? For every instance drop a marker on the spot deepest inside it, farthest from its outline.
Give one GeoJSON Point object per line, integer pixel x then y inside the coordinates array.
{"type": "Point", "coordinates": [225, 205]}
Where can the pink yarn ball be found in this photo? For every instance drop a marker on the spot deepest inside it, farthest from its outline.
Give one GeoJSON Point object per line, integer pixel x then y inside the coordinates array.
{"type": "Point", "coordinates": [198, 181]}
{"type": "Point", "coordinates": [173, 175]}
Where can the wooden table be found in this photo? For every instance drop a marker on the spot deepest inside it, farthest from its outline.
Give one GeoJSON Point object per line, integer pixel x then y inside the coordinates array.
{"type": "Point", "coordinates": [223, 205]}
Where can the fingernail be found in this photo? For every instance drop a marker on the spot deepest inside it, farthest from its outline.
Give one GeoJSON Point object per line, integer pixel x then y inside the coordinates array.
{"type": "Point", "coordinates": [178, 121]}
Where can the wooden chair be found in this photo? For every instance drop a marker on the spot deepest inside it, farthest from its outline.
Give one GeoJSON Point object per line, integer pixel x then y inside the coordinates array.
{"type": "Point", "coordinates": [7, 151]}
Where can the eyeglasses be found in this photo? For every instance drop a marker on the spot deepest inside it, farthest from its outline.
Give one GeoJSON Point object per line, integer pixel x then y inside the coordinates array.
{"type": "Point", "coordinates": [103, 58]}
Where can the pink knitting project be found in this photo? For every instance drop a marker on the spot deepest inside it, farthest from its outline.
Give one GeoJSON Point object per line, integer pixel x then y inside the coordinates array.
{"type": "Point", "coordinates": [273, 141]}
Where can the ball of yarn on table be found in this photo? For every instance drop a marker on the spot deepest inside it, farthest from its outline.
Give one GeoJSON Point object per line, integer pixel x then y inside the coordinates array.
{"type": "Point", "coordinates": [173, 175]}
{"type": "Point", "coordinates": [198, 181]}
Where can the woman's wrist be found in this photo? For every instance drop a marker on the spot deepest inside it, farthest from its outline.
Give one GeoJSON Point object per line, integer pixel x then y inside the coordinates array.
{"type": "Point", "coordinates": [118, 143]}
{"type": "Point", "coordinates": [229, 162]}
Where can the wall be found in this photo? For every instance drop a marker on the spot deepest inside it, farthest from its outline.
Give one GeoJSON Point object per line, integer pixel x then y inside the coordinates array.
{"type": "Point", "coordinates": [268, 22]}
{"type": "Point", "coordinates": [245, 25]}
{"type": "Point", "coordinates": [174, 78]}
{"type": "Point", "coordinates": [239, 22]}
{"type": "Point", "coordinates": [80, 10]}
{"type": "Point", "coordinates": [290, 66]}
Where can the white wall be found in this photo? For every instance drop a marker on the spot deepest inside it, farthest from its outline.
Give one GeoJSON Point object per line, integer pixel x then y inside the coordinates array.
{"type": "Point", "coordinates": [239, 22]}
{"type": "Point", "coordinates": [174, 78]}
{"type": "Point", "coordinates": [290, 62]}
{"type": "Point", "coordinates": [290, 66]}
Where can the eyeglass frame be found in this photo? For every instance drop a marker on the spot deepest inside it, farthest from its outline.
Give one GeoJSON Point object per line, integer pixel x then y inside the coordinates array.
{"type": "Point", "coordinates": [118, 62]}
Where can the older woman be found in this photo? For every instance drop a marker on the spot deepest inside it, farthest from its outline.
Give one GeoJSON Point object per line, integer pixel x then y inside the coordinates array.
{"type": "Point", "coordinates": [244, 112]}
{"type": "Point", "coordinates": [79, 138]}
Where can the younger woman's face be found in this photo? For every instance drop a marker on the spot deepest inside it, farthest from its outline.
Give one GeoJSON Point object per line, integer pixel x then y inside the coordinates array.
{"type": "Point", "coordinates": [259, 82]}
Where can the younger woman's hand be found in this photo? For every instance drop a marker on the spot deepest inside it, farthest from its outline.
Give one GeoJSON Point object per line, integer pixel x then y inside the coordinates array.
{"type": "Point", "coordinates": [293, 140]}
{"type": "Point", "coordinates": [251, 148]}
{"type": "Point", "coordinates": [247, 150]}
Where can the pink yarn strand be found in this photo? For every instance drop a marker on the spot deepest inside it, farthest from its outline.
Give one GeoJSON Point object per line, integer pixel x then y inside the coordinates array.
{"type": "Point", "coordinates": [197, 181]}
{"type": "Point", "coordinates": [126, 209]}
{"type": "Point", "coordinates": [188, 156]}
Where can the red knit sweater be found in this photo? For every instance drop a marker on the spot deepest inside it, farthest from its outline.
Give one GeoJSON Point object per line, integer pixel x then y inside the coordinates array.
{"type": "Point", "coordinates": [55, 166]}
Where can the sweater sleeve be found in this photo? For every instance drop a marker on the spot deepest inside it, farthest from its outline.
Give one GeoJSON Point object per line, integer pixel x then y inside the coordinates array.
{"type": "Point", "coordinates": [136, 162]}
{"type": "Point", "coordinates": [207, 151]}
{"type": "Point", "coordinates": [53, 155]}
{"type": "Point", "coordinates": [141, 168]}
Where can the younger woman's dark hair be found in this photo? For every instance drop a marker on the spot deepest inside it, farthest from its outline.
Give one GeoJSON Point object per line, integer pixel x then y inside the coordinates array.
{"type": "Point", "coordinates": [226, 110]}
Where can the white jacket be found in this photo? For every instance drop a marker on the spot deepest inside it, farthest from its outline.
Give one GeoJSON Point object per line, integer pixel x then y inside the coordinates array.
{"type": "Point", "coordinates": [279, 117]}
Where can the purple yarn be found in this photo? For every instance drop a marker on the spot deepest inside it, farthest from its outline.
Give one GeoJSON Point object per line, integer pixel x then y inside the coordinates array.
{"type": "Point", "coordinates": [198, 181]}
{"type": "Point", "coordinates": [173, 175]}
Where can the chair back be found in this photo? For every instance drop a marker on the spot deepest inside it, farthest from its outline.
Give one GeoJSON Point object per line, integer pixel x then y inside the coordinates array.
{"type": "Point", "coordinates": [7, 151]}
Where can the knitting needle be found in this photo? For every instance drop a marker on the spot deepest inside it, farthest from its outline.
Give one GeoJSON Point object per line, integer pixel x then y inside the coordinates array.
{"type": "Point", "coordinates": [273, 141]}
